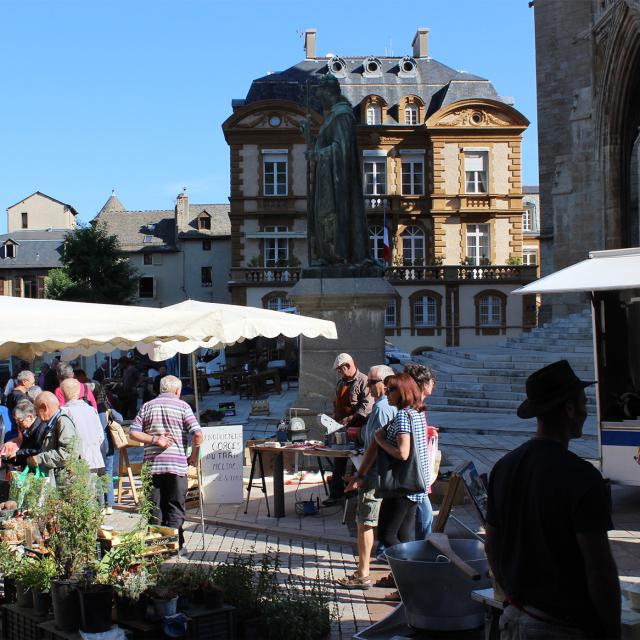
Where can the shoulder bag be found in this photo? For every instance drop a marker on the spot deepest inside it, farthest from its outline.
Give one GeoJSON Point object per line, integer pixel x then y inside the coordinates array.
{"type": "Point", "coordinates": [118, 435]}
{"type": "Point", "coordinates": [397, 478]}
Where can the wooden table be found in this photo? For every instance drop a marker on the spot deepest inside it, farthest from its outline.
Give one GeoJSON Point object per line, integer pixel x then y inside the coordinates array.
{"type": "Point", "coordinates": [278, 470]}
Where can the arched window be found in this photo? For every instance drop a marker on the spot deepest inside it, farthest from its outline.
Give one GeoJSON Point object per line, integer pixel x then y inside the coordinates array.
{"type": "Point", "coordinates": [376, 242]}
{"type": "Point", "coordinates": [413, 246]}
{"type": "Point", "coordinates": [276, 301]}
{"type": "Point", "coordinates": [424, 311]}
{"type": "Point", "coordinates": [374, 114]}
{"type": "Point", "coordinates": [411, 113]}
{"type": "Point", "coordinates": [491, 312]}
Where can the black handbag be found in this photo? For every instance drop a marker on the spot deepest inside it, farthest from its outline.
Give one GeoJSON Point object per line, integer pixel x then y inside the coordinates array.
{"type": "Point", "coordinates": [397, 478]}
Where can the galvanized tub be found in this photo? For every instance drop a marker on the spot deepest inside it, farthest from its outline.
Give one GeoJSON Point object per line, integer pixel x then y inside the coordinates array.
{"type": "Point", "coordinates": [437, 595]}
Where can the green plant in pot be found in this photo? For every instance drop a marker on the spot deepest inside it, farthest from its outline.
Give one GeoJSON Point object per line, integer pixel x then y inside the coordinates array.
{"type": "Point", "coordinates": [123, 569]}
{"type": "Point", "coordinates": [24, 593]}
{"type": "Point", "coordinates": [9, 566]}
{"type": "Point", "coordinates": [96, 602]}
{"type": "Point", "coordinates": [37, 574]}
{"type": "Point", "coordinates": [73, 516]}
{"type": "Point", "coordinates": [299, 610]}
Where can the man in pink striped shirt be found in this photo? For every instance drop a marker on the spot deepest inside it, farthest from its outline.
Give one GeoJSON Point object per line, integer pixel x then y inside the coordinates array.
{"type": "Point", "coordinates": [164, 425]}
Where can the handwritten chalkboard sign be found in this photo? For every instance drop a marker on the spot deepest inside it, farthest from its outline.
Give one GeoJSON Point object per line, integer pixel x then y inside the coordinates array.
{"type": "Point", "coordinates": [222, 457]}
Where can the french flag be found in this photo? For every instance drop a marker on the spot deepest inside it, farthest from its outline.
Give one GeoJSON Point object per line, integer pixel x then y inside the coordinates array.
{"type": "Point", "coordinates": [386, 247]}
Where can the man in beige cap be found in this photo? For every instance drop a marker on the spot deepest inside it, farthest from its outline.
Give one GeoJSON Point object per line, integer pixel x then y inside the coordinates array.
{"type": "Point", "coordinates": [353, 405]}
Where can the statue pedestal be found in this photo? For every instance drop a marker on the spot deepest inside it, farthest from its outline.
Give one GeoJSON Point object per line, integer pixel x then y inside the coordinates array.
{"type": "Point", "coordinates": [357, 306]}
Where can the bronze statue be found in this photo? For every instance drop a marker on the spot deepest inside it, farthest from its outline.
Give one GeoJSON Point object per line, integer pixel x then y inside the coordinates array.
{"type": "Point", "coordinates": [337, 224]}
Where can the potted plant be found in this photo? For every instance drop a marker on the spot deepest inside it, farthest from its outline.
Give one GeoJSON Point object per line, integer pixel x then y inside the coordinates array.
{"type": "Point", "coordinates": [298, 611]}
{"type": "Point", "coordinates": [123, 570]}
{"type": "Point", "coordinates": [24, 594]}
{"type": "Point", "coordinates": [164, 599]}
{"type": "Point", "coordinates": [37, 574]}
{"type": "Point", "coordinates": [73, 515]}
{"type": "Point", "coordinates": [130, 587]}
{"type": "Point", "coordinates": [96, 603]}
{"type": "Point", "coordinates": [9, 569]}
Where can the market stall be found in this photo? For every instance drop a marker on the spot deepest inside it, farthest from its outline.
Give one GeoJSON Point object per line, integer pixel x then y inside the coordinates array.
{"type": "Point", "coordinates": [33, 327]}
{"type": "Point", "coordinates": [612, 280]}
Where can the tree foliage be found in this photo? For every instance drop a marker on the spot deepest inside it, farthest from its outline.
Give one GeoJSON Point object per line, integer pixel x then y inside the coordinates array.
{"type": "Point", "coordinates": [94, 269]}
{"type": "Point", "coordinates": [56, 284]}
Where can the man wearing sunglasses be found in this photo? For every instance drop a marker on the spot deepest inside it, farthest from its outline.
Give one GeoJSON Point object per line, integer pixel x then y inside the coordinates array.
{"type": "Point", "coordinates": [353, 405]}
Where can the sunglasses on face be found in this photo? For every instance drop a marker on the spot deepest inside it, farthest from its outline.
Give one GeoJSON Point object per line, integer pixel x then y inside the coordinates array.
{"type": "Point", "coordinates": [372, 382]}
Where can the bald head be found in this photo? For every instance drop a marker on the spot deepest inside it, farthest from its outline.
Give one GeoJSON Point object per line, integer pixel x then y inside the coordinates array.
{"type": "Point", "coordinates": [47, 405]}
{"type": "Point", "coordinates": [70, 389]}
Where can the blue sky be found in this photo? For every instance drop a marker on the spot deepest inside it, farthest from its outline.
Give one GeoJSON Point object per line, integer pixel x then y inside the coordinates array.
{"type": "Point", "coordinates": [131, 94]}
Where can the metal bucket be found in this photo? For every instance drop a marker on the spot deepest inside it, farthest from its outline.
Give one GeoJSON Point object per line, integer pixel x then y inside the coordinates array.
{"type": "Point", "coordinates": [437, 595]}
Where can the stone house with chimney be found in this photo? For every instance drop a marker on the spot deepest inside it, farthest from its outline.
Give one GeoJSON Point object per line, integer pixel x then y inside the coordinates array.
{"type": "Point", "coordinates": [179, 254]}
{"type": "Point", "coordinates": [441, 165]}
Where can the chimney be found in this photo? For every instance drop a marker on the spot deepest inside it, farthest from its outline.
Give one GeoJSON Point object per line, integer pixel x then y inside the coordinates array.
{"type": "Point", "coordinates": [420, 43]}
{"type": "Point", "coordinates": [310, 44]}
{"type": "Point", "coordinates": [182, 213]}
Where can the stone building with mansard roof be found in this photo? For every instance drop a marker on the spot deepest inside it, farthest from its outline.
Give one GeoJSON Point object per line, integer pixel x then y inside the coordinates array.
{"type": "Point", "coordinates": [441, 162]}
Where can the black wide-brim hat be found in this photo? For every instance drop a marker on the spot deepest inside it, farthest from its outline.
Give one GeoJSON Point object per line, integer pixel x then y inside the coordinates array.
{"type": "Point", "coordinates": [548, 387]}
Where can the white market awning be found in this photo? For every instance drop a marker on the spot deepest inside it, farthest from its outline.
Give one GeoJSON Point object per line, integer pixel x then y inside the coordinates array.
{"type": "Point", "coordinates": [603, 271]}
{"type": "Point", "coordinates": [32, 327]}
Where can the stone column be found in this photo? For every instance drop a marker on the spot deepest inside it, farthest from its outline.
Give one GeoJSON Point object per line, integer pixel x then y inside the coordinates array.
{"type": "Point", "coordinates": [357, 306]}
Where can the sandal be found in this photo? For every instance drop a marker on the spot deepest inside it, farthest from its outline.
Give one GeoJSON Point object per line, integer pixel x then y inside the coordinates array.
{"type": "Point", "coordinates": [387, 582]}
{"type": "Point", "coordinates": [394, 596]}
{"type": "Point", "coordinates": [354, 582]}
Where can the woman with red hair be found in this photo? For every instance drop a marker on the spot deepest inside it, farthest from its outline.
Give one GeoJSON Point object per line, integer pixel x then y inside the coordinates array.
{"type": "Point", "coordinates": [396, 522]}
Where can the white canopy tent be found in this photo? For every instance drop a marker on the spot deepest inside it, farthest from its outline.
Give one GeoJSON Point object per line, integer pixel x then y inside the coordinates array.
{"type": "Point", "coordinates": [603, 271]}
{"type": "Point", "coordinates": [32, 327]}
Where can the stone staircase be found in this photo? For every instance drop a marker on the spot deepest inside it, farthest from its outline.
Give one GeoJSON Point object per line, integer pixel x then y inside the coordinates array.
{"type": "Point", "coordinates": [492, 379]}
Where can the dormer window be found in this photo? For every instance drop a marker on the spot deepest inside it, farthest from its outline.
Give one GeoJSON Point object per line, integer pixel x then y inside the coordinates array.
{"type": "Point", "coordinates": [372, 66]}
{"type": "Point", "coordinates": [407, 66]}
{"type": "Point", "coordinates": [374, 114]}
{"type": "Point", "coordinates": [411, 114]}
{"type": "Point", "coordinates": [147, 239]}
{"type": "Point", "coordinates": [9, 250]}
{"type": "Point", "coordinates": [204, 221]}
{"type": "Point", "coordinates": [337, 66]}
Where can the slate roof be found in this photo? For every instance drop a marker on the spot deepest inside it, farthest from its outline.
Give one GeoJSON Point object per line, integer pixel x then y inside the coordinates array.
{"type": "Point", "coordinates": [35, 249]}
{"type": "Point", "coordinates": [131, 227]}
{"type": "Point", "coordinates": [532, 189]}
{"type": "Point", "coordinates": [112, 204]}
{"type": "Point", "coordinates": [434, 82]}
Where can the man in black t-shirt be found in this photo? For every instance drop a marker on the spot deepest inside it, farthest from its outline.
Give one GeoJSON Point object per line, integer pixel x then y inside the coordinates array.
{"type": "Point", "coordinates": [547, 522]}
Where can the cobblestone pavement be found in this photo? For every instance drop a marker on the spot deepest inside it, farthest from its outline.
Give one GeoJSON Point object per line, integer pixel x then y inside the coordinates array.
{"type": "Point", "coordinates": [322, 545]}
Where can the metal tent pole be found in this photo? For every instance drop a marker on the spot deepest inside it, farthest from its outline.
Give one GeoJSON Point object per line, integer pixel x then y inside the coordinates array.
{"type": "Point", "coordinates": [198, 464]}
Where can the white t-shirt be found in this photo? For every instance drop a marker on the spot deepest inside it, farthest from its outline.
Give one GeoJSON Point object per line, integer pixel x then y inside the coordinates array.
{"type": "Point", "coordinates": [89, 430]}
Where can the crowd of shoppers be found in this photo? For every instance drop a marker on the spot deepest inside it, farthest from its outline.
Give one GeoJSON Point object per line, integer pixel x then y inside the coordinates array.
{"type": "Point", "coordinates": [396, 423]}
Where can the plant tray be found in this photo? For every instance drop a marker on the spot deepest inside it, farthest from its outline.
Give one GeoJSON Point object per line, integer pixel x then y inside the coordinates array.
{"type": "Point", "coordinates": [159, 541]}
{"type": "Point", "coordinates": [212, 624]}
{"type": "Point", "coordinates": [21, 624]}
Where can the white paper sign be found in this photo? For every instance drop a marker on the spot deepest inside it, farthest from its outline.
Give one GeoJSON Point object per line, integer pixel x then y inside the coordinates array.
{"type": "Point", "coordinates": [222, 458]}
